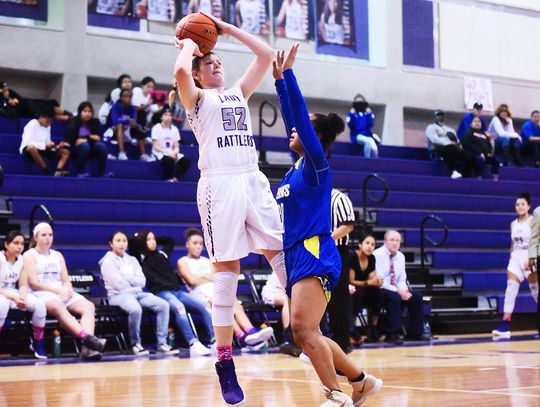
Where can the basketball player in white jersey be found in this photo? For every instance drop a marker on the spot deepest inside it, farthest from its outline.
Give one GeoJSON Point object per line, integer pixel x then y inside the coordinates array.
{"type": "Point", "coordinates": [49, 280]}
{"type": "Point", "coordinates": [238, 212]}
{"type": "Point", "coordinates": [293, 12]}
{"type": "Point", "coordinates": [331, 24]}
{"type": "Point", "coordinates": [11, 276]}
{"type": "Point", "coordinates": [518, 267]}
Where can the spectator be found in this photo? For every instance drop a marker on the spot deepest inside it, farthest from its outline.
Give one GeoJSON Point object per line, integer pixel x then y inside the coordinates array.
{"type": "Point", "coordinates": [196, 272]}
{"type": "Point", "coordinates": [465, 123]}
{"type": "Point", "coordinates": [49, 280]}
{"type": "Point", "coordinates": [11, 276]}
{"type": "Point", "coordinates": [390, 266]}
{"type": "Point", "coordinates": [124, 81]}
{"type": "Point", "coordinates": [36, 144]}
{"type": "Point", "coordinates": [166, 147]}
{"type": "Point", "coordinates": [501, 128]}
{"type": "Point", "coordinates": [360, 121]}
{"type": "Point", "coordinates": [83, 135]}
{"type": "Point", "coordinates": [443, 141]}
{"type": "Point", "coordinates": [161, 280]}
{"type": "Point", "coordinates": [250, 16]}
{"type": "Point", "coordinates": [477, 145]}
{"type": "Point", "coordinates": [530, 133]}
{"type": "Point", "coordinates": [142, 100]}
{"type": "Point", "coordinates": [124, 126]}
{"type": "Point", "coordinates": [339, 306]}
{"type": "Point", "coordinates": [367, 285]}
{"type": "Point", "coordinates": [124, 281]}
{"type": "Point", "coordinates": [518, 267]}
{"type": "Point", "coordinates": [11, 103]}
{"type": "Point", "coordinates": [331, 27]}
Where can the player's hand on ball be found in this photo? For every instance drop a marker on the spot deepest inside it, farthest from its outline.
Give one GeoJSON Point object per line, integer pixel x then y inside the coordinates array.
{"type": "Point", "coordinates": [180, 44]}
{"type": "Point", "coordinates": [223, 28]}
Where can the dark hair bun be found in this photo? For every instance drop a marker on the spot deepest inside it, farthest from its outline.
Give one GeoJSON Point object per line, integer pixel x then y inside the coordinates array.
{"type": "Point", "coordinates": [336, 123]}
{"type": "Point", "coordinates": [526, 196]}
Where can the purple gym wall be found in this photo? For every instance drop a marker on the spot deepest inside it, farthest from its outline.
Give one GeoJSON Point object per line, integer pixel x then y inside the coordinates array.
{"type": "Point", "coordinates": [418, 42]}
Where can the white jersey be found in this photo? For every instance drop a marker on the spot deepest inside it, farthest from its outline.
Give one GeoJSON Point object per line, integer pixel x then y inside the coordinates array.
{"type": "Point", "coordinates": [160, 10]}
{"type": "Point", "coordinates": [48, 267]}
{"type": "Point", "coordinates": [205, 6]}
{"type": "Point", "coordinates": [166, 138]}
{"type": "Point", "coordinates": [521, 233]}
{"type": "Point", "coordinates": [250, 13]}
{"type": "Point", "coordinates": [294, 22]}
{"type": "Point", "coordinates": [9, 273]}
{"type": "Point", "coordinates": [199, 267]}
{"type": "Point", "coordinates": [222, 126]}
{"type": "Point", "coordinates": [335, 34]}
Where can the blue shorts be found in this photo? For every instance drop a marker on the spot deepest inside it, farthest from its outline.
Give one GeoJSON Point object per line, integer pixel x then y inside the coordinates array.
{"type": "Point", "coordinates": [314, 257]}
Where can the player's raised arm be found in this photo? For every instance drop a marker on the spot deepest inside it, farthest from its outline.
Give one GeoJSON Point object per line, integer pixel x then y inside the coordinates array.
{"type": "Point", "coordinates": [189, 93]}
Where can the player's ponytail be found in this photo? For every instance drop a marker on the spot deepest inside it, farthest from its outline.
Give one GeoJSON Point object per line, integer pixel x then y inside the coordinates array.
{"type": "Point", "coordinates": [327, 127]}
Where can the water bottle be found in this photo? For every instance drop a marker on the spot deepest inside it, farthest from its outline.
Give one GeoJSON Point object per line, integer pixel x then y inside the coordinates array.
{"type": "Point", "coordinates": [57, 344]}
{"type": "Point", "coordinates": [170, 337]}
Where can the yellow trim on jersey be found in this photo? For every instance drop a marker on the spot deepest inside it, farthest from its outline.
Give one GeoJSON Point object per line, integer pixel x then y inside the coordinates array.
{"type": "Point", "coordinates": [313, 245]}
{"type": "Point", "coordinates": [324, 283]}
{"type": "Point", "coordinates": [297, 163]}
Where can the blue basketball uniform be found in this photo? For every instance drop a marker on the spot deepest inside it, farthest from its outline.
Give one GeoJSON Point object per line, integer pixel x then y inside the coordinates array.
{"type": "Point", "coordinates": [304, 199]}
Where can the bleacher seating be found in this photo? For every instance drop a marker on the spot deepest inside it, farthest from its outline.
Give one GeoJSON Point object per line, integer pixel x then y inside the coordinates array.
{"type": "Point", "coordinates": [468, 272]}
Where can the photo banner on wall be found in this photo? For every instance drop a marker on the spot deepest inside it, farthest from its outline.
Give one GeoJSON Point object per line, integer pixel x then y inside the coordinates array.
{"type": "Point", "coordinates": [112, 14]}
{"type": "Point", "coordinates": [31, 9]}
{"type": "Point", "coordinates": [154, 10]}
{"type": "Point", "coordinates": [250, 15]}
{"type": "Point", "coordinates": [214, 7]}
{"type": "Point", "coordinates": [342, 28]}
{"type": "Point", "coordinates": [292, 19]}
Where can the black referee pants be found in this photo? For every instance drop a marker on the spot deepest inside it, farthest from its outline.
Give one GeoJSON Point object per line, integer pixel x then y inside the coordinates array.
{"type": "Point", "coordinates": [339, 307]}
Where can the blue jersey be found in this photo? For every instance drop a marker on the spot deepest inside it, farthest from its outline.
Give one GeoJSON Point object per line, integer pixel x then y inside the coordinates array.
{"type": "Point", "coordinates": [304, 194]}
{"type": "Point", "coordinates": [360, 123]}
{"type": "Point", "coordinates": [529, 130]}
{"type": "Point", "coordinates": [466, 124]}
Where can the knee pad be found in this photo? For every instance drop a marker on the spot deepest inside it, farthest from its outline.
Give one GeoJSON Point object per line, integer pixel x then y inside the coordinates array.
{"type": "Point", "coordinates": [278, 266]}
{"type": "Point", "coordinates": [512, 289]}
{"type": "Point", "coordinates": [224, 297]}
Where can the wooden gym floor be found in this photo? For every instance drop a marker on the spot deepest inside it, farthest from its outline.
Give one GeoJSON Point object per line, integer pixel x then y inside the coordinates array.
{"type": "Point", "coordinates": [477, 372]}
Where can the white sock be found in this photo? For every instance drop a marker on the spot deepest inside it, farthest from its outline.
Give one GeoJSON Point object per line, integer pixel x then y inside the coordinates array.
{"type": "Point", "coordinates": [534, 291]}
{"type": "Point", "coordinates": [512, 289]}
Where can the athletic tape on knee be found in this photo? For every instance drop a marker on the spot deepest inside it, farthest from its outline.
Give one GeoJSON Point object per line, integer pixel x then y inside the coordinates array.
{"type": "Point", "coordinates": [225, 285]}
{"type": "Point", "coordinates": [512, 289]}
{"type": "Point", "coordinates": [534, 291]}
{"type": "Point", "coordinates": [278, 266]}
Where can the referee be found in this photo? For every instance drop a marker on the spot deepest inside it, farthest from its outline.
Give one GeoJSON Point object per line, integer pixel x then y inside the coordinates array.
{"type": "Point", "coordinates": [339, 307]}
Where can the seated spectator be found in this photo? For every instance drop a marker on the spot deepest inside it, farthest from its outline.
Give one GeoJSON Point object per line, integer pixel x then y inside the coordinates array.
{"type": "Point", "coordinates": [83, 135]}
{"type": "Point", "coordinates": [196, 272]}
{"type": "Point", "coordinates": [274, 294]}
{"type": "Point", "coordinates": [162, 281]}
{"type": "Point", "coordinates": [124, 281]}
{"type": "Point", "coordinates": [11, 103]}
{"type": "Point", "coordinates": [390, 266]}
{"type": "Point", "coordinates": [477, 145]}
{"type": "Point", "coordinates": [124, 81]}
{"type": "Point", "coordinates": [36, 144]}
{"type": "Point", "coordinates": [49, 280]}
{"type": "Point", "coordinates": [465, 123]}
{"type": "Point", "coordinates": [124, 126]}
{"type": "Point", "coordinates": [530, 132]}
{"type": "Point", "coordinates": [360, 120]}
{"type": "Point", "coordinates": [367, 286]}
{"type": "Point", "coordinates": [444, 142]}
{"type": "Point", "coordinates": [11, 276]}
{"type": "Point", "coordinates": [142, 100]}
{"type": "Point", "coordinates": [502, 130]}
{"type": "Point", "coordinates": [166, 147]}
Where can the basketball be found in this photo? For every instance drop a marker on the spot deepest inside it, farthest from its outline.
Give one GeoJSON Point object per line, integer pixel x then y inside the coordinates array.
{"type": "Point", "coordinates": [200, 28]}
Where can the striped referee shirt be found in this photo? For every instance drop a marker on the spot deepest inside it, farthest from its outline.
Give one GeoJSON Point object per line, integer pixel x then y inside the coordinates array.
{"type": "Point", "coordinates": [342, 213]}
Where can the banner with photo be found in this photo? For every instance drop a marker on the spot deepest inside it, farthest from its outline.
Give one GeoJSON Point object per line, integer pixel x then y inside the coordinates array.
{"type": "Point", "coordinates": [155, 10]}
{"type": "Point", "coordinates": [292, 19]}
{"type": "Point", "coordinates": [31, 9]}
{"type": "Point", "coordinates": [112, 14]}
{"type": "Point", "coordinates": [250, 15]}
{"type": "Point", "coordinates": [342, 28]}
{"type": "Point", "coordinates": [216, 8]}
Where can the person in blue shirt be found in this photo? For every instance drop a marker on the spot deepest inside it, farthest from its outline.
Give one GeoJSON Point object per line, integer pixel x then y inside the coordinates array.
{"type": "Point", "coordinates": [125, 127]}
{"type": "Point", "coordinates": [530, 132]}
{"type": "Point", "coordinates": [468, 118]}
{"type": "Point", "coordinates": [311, 258]}
{"type": "Point", "coordinates": [360, 120]}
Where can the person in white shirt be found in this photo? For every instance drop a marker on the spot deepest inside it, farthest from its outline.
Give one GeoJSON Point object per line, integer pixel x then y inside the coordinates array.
{"type": "Point", "coordinates": [124, 281]}
{"type": "Point", "coordinates": [142, 100]}
{"type": "Point", "coordinates": [390, 266]}
{"type": "Point", "coordinates": [166, 148]}
{"type": "Point", "coordinates": [36, 144]}
{"type": "Point", "coordinates": [502, 130]}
